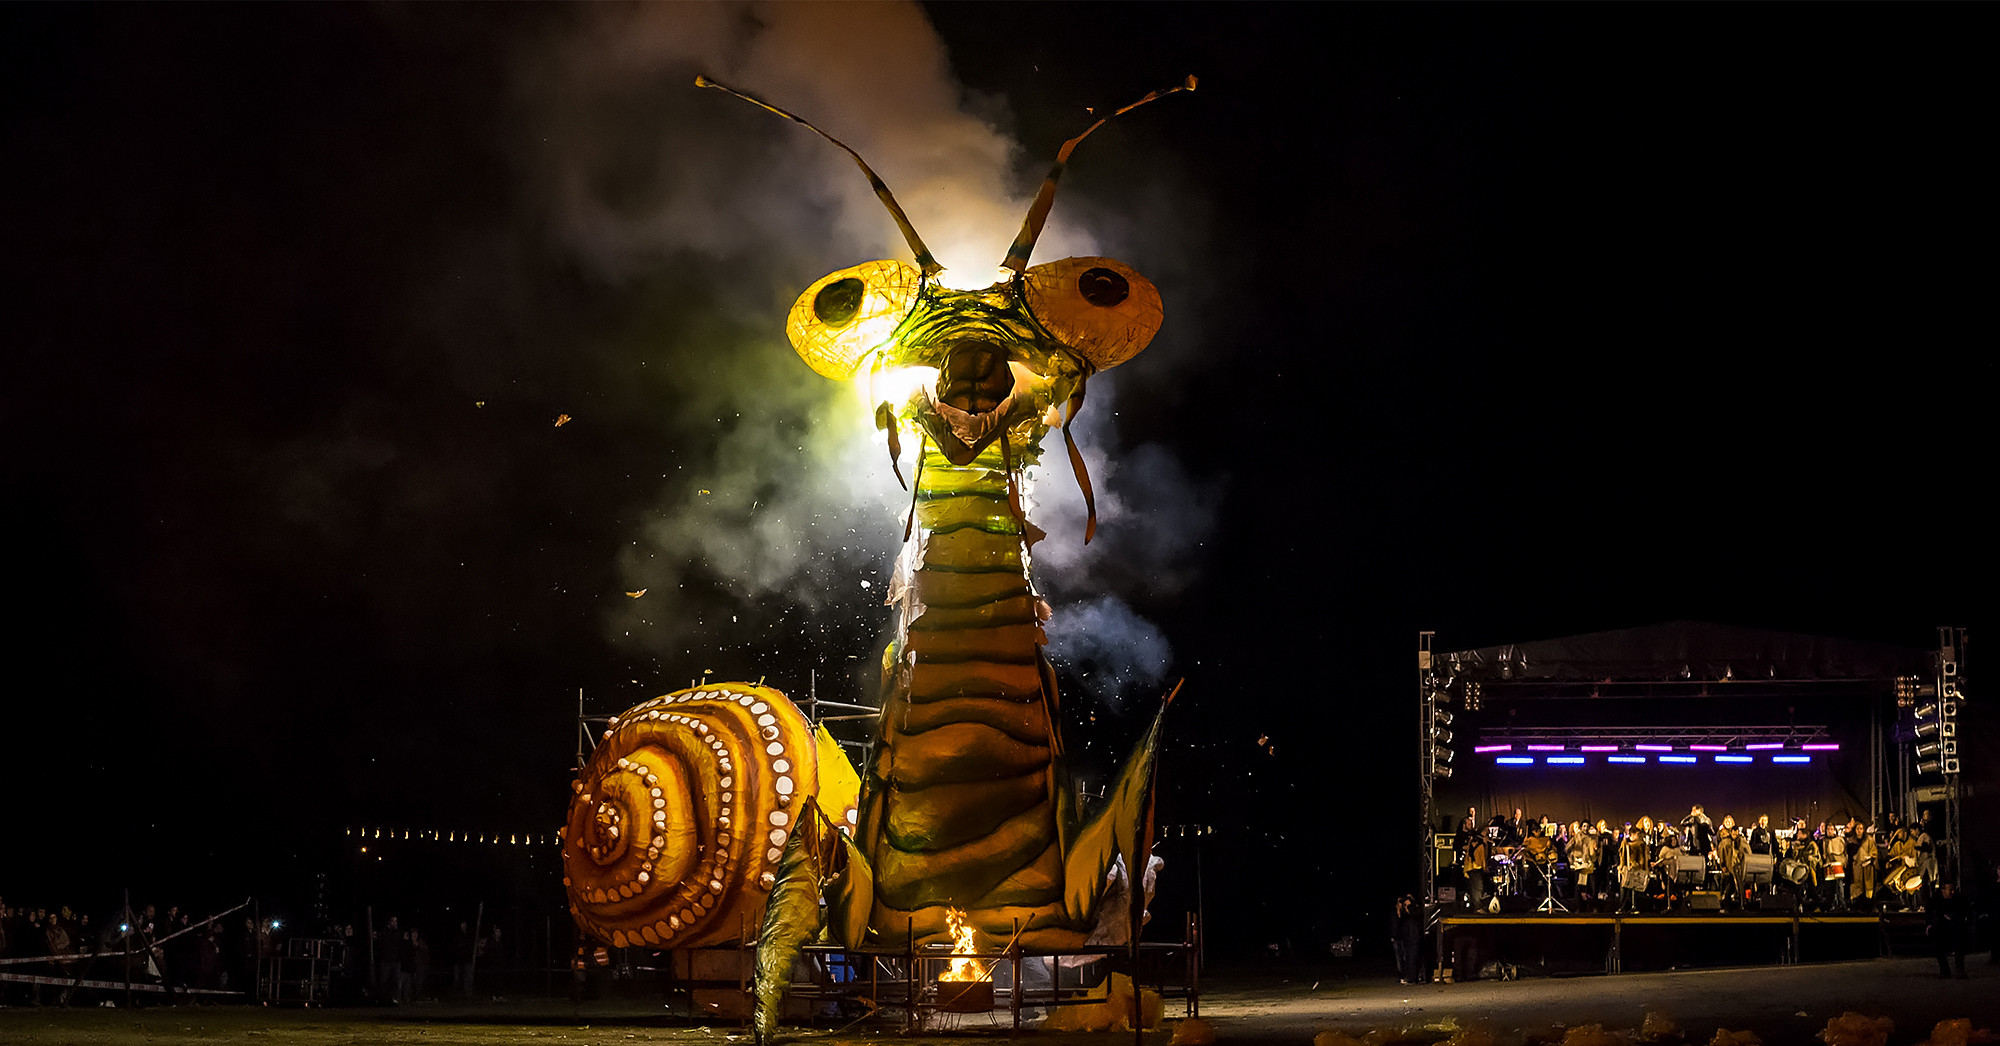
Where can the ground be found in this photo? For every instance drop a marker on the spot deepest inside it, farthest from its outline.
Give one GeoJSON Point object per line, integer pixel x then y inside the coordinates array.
{"type": "Point", "coordinates": [1782, 1004]}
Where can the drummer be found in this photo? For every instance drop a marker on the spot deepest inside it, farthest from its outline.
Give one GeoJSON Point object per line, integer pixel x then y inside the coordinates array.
{"type": "Point", "coordinates": [1833, 846]}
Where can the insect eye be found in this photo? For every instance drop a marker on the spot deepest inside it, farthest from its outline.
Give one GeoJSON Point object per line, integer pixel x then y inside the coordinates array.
{"type": "Point", "coordinates": [1103, 287]}
{"type": "Point", "coordinates": [846, 315]}
{"type": "Point", "coordinates": [837, 302]}
{"type": "Point", "coordinates": [1099, 307]}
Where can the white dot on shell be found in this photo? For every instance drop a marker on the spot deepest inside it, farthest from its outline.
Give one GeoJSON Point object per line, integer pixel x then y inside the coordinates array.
{"type": "Point", "coordinates": [780, 818]}
{"type": "Point", "coordinates": [783, 766]}
{"type": "Point", "coordinates": [745, 700]}
{"type": "Point", "coordinates": [776, 748]}
{"type": "Point", "coordinates": [783, 785]}
{"type": "Point", "coordinates": [773, 854]}
{"type": "Point", "coordinates": [853, 816]}
{"type": "Point", "coordinates": [766, 719]}
{"type": "Point", "coordinates": [777, 837]}
{"type": "Point", "coordinates": [727, 782]}
{"type": "Point", "coordinates": [766, 880]}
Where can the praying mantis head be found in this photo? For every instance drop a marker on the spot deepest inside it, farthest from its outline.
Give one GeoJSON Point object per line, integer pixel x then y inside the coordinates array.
{"type": "Point", "coordinates": [969, 367]}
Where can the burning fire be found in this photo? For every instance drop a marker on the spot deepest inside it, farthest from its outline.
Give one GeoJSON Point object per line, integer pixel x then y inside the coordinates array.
{"type": "Point", "coordinates": [963, 943]}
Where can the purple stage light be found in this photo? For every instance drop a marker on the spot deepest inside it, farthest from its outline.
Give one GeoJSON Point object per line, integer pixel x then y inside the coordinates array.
{"type": "Point", "coordinates": [1652, 748]}
{"type": "Point", "coordinates": [1493, 748]}
{"type": "Point", "coordinates": [1820, 748]}
{"type": "Point", "coordinates": [1708, 748]}
{"type": "Point", "coordinates": [1762, 747]}
{"type": "Point", "coordinates": [1597, 748]}
{"type": "Point", "coordinates": [1545, 748]}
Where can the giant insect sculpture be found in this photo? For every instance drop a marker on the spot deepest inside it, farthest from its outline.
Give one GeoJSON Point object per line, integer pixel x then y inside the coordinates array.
{"type": "Point", "coordinates": [718, 811]}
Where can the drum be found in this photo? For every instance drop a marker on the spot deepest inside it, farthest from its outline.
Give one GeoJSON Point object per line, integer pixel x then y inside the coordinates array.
{"type": "Point", "coordinates": [1758, 864]}
{"type": "Point", "coordinates": [1794, 870]}
{"type": "Point", "coordinates": [1538, 849]}
{"type": "Point", "coordinates": [1836, 870]}
{"type": "Point", "coordinates": [1634, 877]}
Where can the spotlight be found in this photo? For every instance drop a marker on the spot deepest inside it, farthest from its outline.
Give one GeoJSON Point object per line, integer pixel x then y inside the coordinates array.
{"type": "Point", "coordinates": [1441, 735]}
{"type": "Point", "coordinates": [1442, 773]}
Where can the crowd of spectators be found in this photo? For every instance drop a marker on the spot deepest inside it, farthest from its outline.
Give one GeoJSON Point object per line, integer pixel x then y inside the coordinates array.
{"type": "Point", "coordinates": [70, 956]}
{"type": "Point", "coordinates": [172, 950]}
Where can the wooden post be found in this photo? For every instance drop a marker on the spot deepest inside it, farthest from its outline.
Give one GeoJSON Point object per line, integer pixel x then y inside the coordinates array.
{"type": "Point", "coordinates": [472, 970]}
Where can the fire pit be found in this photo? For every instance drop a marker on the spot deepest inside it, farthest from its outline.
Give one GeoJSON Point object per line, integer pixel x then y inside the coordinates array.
{"type": "Point", "coordinates": [964, 996]}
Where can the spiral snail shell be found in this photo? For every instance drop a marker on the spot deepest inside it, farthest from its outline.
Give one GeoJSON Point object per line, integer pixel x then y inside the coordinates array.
{"type": "Point", "coordinates": [681, 814]}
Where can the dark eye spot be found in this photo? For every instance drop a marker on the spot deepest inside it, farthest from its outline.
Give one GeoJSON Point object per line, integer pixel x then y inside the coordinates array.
{"type": "Point", "coordinates": [1102, 287]}
{"type": "Point", "coordinates": [837, 302]}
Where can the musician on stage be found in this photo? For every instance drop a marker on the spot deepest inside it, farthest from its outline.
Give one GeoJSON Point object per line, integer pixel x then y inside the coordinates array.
{"type": "Point", "coordinates": [1730, 850]}
{"type": "Point", "coordinates": [1761, 838]}
{"type": "Point", "coordinates": [1927, 863]}
{"type": "Point", "coordinates": [1473, 855]}
{"type": "Point", "coordinates": [1698, 832]}
{"type": "Point", "coordinates": [1582, 854]}
{"type": "Point", "coordinates": [1634, 861]}
{"type": "Point", "coordinates": [1667, 863]}
{"type": "Point", "coordinates": [1802, 848]}
{"type": "Point", "coordinates": [1902, 876]}
{"type": "Point", "coordinates": [1833, 846]}
{"type": "Point", "coordinates": [1867, 871]}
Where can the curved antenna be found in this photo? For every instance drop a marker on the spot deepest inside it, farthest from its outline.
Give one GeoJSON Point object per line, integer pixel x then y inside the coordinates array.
{"type": "Point", "coordinates": [1038, 212]}
{"type": "Point", "coordinates": [925, 261]}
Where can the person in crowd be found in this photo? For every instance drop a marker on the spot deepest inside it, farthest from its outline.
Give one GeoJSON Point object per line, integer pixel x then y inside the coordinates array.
{"type": "Point", "coordinates": [388, 960]}
{"type": "Point", "coordinates": [1406, 932]}
{"type": "Point", "coordinates": [420, 956]}
{"type": "Point", "coordinates": [1946, 921]}
{"type": "Point", "coordinates": [406, 966]}
{"type": "Point", "coordinates": [461, 961]}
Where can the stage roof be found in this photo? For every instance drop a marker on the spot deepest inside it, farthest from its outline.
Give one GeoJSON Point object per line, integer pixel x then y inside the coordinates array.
{"type": "Point", "coordinates": [1694, 658]}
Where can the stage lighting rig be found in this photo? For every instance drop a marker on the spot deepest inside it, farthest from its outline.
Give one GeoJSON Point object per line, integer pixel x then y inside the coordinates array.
{"type": "Point", "coordinates": [1437, 695]}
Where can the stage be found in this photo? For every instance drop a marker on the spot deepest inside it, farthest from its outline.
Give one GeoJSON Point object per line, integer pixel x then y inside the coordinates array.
{"type": "Point", "coordinates": [1674, 940]}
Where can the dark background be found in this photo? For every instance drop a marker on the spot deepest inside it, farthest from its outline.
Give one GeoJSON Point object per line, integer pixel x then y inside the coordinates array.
{"type": "Point", "coordinates": [1507, 323]}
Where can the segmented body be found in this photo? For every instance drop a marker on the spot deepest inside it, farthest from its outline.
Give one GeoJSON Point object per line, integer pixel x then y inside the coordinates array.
{"type": "Point", "coordinates": [963, 807]}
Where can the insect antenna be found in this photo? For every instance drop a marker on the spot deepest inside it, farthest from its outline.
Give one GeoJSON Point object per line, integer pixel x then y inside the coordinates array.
{"type": "Point", "coordinates": [925, 261]}
{"type": "Point", "coordinates": [1038, 212]}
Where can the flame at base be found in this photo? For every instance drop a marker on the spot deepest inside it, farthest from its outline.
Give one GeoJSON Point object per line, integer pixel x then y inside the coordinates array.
{"type": "Point", "coordinates": [964, 942]}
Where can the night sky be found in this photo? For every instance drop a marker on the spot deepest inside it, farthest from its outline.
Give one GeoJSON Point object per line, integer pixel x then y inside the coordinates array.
{"type": "Point", "coordinates": [1508, 322]}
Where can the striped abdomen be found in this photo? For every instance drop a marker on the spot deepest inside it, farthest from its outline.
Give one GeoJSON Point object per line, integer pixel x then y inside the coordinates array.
{"type": "Point", "coordinates": [962, 811]}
